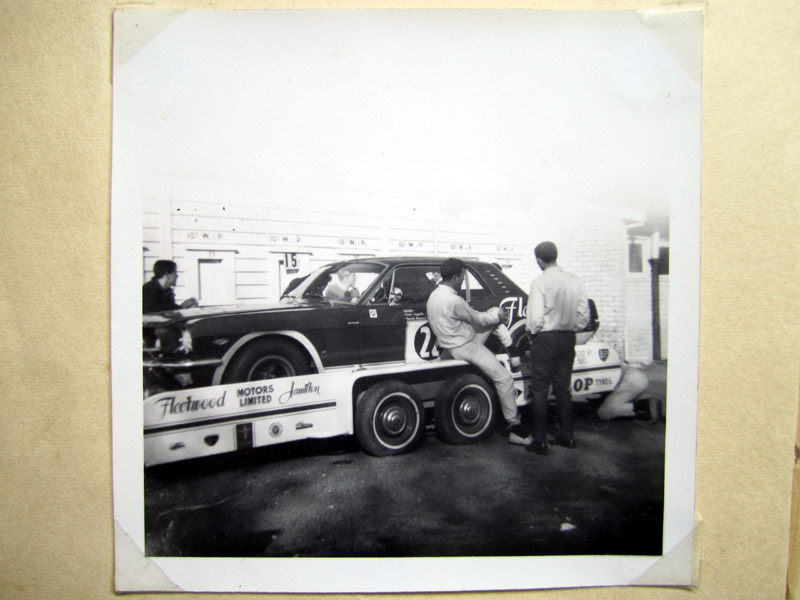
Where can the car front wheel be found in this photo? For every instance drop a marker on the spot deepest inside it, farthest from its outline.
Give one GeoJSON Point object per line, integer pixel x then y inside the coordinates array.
{"type": "Point", "coordinates": [389, 419]}
{"type": "Point", "coordinates": [266, 359]}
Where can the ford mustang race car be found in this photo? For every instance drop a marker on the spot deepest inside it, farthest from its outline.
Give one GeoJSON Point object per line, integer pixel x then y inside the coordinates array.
{"type": "Point", "coordinates": [357, 329]}
{"type": "Point", "coordinates": [313, 329]}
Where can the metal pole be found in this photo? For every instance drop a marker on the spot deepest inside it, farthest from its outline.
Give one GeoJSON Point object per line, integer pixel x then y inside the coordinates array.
{"type": "Point", "coordinates": [656, 308]}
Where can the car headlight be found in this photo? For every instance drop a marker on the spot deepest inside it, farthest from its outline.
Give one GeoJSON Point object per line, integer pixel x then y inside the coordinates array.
{"type": "Point", "coordinates": [172, 341]}
{"type": "Point", "coordinates": [184, 342]}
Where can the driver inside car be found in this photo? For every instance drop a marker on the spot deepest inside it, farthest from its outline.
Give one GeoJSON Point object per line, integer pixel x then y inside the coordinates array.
{"type": "Point", "coordinates": [344, 288]}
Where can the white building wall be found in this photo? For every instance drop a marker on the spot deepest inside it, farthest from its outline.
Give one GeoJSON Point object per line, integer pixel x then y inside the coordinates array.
{"type": "Point", "coordinates": [639, 328]}
{"type": "Point", "coordinates": [663, 284]}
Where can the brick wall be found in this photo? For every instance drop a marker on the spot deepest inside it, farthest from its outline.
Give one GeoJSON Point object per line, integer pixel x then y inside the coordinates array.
{"type": "Point", "coordinates": [594, 248]}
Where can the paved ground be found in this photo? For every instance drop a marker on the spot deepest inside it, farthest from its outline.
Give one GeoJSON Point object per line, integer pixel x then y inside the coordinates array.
{"type": "Point", "coordinates": [327, 498]}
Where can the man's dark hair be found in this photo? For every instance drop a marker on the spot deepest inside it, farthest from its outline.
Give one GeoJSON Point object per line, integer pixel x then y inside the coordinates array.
{"type": "Point", "coordinates": [163, 267]}
{"type": "Point", "coordinates": [546, 252]}
{"type": "Point", "coordinates": [452, 267]}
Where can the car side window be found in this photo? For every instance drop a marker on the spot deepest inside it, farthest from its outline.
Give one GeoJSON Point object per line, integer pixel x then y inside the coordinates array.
{"type": "Point", "coordinates": [476, 289]}
{"type": "Point", "coordinates": [381, 295]}
{"type": "Point", "coordinates": [407, 285]}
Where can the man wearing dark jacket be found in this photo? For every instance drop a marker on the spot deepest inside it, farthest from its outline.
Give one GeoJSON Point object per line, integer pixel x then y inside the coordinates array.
{"type": "Point", "coordinates": [157, 294]}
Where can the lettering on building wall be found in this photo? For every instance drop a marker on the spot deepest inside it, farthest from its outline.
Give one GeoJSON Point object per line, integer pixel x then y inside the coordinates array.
{"type": "Point", "coordinates": [352, 242]}
{"type": "Point", "coordinates": [410, 245]}
{"type": "Point", "coordinates": [211, 236]}
{"type": "Point", "coordinates": [285, 239]}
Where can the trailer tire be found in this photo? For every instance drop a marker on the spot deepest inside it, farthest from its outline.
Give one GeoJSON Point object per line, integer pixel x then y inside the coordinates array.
{"type": "Point", "coordinates": [390, 419]}
{"type": "Point", "coordinates": [465, 410]}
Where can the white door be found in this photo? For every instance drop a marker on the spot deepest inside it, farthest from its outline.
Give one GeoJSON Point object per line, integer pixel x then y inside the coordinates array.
{"type": "Point", "coordinates": [214, 276]}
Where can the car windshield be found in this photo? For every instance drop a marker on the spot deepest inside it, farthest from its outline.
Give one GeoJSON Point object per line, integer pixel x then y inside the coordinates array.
{"type": "Point", "coordinates": [341, 283]}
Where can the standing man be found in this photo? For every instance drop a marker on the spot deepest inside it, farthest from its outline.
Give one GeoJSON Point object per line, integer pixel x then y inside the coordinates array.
{"type": "Point", "coordinates": [157, 294]}
{"type": "Point", "coordinates": [462, 331]}
{"type": "Point", "coordinates": [557, 308]}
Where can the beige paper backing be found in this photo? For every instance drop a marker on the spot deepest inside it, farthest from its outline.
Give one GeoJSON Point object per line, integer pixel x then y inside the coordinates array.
{"type": "Point", "coordinates": [57, 531]}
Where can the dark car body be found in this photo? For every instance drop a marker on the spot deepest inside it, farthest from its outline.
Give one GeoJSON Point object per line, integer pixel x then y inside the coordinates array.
{"type": "Point", "coordinates": [319, 325]}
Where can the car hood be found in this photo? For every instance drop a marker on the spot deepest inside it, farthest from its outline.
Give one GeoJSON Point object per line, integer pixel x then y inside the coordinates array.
{"type": "Point", "coordinates": [165, 319]}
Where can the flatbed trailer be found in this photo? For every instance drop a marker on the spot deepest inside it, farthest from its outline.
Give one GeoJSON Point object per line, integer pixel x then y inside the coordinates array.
{"type": "Point", "coordinates": [384, 406]}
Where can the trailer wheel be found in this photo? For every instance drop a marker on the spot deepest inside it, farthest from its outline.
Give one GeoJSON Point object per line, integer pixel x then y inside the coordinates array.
{"type": "Point", "coordinates": [389, 419]}
{"type": "Point", "coordinates": [465, 410]}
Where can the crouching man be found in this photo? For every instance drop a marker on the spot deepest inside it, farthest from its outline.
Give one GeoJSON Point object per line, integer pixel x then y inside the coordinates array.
{"type": "Point", "coordinates": [462, 331]}
{"type": "Point", "coordinates": [639, 383]}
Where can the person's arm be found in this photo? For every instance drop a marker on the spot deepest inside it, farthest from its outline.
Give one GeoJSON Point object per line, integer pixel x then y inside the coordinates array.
{"type": "Point", "coordinates": [583, 315]}
{"type": "Point", "coordinates": [465, 312]}
{"type": "Point", "coordinates": [535, 318]}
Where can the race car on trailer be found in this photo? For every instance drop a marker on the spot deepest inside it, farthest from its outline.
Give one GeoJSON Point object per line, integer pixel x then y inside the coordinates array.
{"type": "Point", "coordinates": [348, 351]}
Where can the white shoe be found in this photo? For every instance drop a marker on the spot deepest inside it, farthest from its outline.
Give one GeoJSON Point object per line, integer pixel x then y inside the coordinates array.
{"type": "Point", "coordinates": [513, 438]}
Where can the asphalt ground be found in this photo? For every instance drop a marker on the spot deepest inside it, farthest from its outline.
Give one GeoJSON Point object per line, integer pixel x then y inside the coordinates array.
{"type": "Point", "coordinates": [326, 498]}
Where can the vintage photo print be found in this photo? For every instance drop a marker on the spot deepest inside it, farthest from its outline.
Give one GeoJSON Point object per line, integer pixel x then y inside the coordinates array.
{"type": "Point", "coordinates": [419, 299]}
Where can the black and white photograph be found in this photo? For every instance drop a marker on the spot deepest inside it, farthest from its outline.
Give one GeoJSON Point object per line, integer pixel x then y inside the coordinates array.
{"type": "Point", "coordinates": [419, 299]}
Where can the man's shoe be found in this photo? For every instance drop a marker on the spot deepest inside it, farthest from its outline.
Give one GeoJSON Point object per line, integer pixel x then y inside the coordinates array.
{"type": "Point", "coordinates": [538, 447]}
{"type": "Point", "coordinates": [513, 438]}
{"type": "Point", "coordinates": [567, 442]}
{"type": "Point", "coordinates": [519, 435]}
{"type": "Point", "coordinates": [515, 362]}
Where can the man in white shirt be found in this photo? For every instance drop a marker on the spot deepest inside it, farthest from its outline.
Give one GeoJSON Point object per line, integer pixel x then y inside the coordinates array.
{"type": "Point", "coordinates": [462, 331]}
{"type": "Point", "coordinates": [557, 309]}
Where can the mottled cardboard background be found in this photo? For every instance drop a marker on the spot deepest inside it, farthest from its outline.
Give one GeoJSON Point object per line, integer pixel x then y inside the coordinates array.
{"type": "Point", "coordinates": [57, 528]}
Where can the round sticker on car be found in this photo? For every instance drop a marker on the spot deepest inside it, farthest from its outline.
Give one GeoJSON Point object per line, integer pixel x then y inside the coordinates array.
{"type": "Point", "coordinates": [425, 343]}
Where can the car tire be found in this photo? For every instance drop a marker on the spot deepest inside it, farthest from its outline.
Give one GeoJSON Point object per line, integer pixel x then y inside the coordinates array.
{"type": "Point", "coordinates": [390, 419]}
{"type": "Point", "coordinates": [465, 410]}
{"type": "Point", "coordinates": [266, 359]}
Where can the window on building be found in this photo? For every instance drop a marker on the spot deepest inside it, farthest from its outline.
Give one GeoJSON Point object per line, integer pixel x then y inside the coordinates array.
{"type": "Point", "coordinates": [639, 253]}
{"type": "Point", "coordinates": [635, 253]}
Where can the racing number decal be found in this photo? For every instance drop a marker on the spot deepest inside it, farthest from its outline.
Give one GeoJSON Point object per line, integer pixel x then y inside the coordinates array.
{"type": "Point", "coordinates": [425, 343]}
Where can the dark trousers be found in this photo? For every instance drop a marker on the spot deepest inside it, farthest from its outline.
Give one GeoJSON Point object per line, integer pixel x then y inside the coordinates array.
{"type": "Point", "coordinates": [551, 356]}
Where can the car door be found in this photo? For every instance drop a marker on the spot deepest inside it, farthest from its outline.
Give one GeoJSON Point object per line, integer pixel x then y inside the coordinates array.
{"type": "Point", "coordinates": [400, 298]}
{"type": "Point", "coordinates": [341, 324]}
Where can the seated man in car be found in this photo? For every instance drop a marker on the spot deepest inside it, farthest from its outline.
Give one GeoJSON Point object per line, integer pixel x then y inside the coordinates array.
{"type": "Point", "coordinates": [344, 288]}
{"type": "Point", "coordinates": [462, 331]}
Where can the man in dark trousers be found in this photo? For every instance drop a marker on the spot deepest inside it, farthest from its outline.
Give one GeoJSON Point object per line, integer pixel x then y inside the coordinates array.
{"type": "Point", "coordinates": [557, 309]}
{"type": "Point", "coordinates": [157, 294]}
